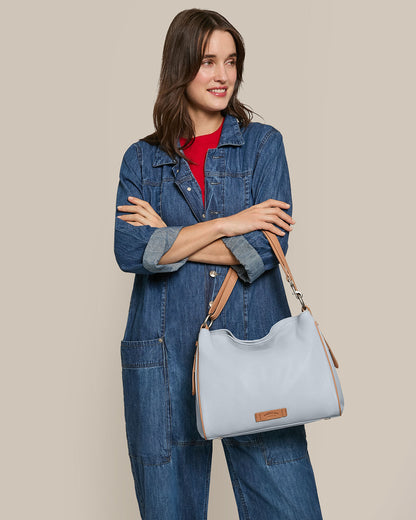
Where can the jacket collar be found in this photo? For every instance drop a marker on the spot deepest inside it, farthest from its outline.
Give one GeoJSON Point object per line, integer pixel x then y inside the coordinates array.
{"type": "Point", "coordinates": [230, 136]}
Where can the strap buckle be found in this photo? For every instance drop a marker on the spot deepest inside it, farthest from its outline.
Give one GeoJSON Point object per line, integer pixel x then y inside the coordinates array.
{"type": "Point", "coordinates": [207, 325]}
{"type": "Point", "coordinates": [297, 293]}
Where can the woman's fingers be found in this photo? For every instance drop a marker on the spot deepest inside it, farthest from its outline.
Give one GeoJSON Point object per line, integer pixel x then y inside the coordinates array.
{"type": "Point", "coordinates": [132, 209]}
{"type": "Point", "coordinates": [137, 206]}
{"type": "Point", "coordinates": [275, 206]}
{"type": "Point", "coordinates": [134, 219]}
{"type": "Point", "coordinates": [272, 214]}
{"type": "Point", "coordinates": [144, 205]}
{"type": "Point", "coordinates": [275, 230]}
{"type": "Point", "coordinates": [140, 213]}
{"type": "Point", "coordinates": [273, 202]}
{"type": "Point", "coordinates": [274, 219]}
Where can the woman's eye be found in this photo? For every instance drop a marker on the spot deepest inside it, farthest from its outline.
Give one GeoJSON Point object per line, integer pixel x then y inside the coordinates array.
{"type": "Point", "coordinates": [209, 62]}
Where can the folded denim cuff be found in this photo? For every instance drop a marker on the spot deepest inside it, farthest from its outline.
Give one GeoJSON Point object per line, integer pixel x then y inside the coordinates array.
{"type": "Point", "coordinates": [161, 241]}
{"type": "Point", "coordinates": [252, 265]}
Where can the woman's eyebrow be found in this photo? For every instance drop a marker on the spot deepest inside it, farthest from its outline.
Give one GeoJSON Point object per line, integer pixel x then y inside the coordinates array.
{"type": "Point", "coordinates": [233, 55]}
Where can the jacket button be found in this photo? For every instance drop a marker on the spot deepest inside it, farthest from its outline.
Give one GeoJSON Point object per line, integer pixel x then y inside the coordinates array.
{"type": "Point", "coordinates": [189, 188]}
{"type": "Point", "coordinates": [203, 215]}
{"type": "Point", "coordinates": [213, 274]}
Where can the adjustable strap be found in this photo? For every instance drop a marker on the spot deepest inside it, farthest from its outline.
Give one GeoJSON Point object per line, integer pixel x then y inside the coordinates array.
{"type": "Point", "coordinates": [222, 296]}
{"type": "Point", "coordinates": [230, 279]}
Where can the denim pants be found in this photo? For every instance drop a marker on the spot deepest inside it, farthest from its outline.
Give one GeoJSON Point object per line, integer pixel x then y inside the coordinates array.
{"type": "Point", "coordinates": [271, 473]}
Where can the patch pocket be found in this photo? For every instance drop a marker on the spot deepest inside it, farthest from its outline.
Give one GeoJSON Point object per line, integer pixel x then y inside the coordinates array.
{"type": "Point", "coordinates": [283, 445]}
{"type": "Point", "coordinates": [146, 400]}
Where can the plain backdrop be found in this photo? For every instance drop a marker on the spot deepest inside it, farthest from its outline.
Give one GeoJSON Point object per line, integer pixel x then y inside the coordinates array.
{"type": "Point", "coordinates": [79, 81]}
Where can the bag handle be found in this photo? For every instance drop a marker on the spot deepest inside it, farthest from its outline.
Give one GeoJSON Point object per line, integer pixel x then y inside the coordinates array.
{"type": "Point", "coordinates": [231, 278]}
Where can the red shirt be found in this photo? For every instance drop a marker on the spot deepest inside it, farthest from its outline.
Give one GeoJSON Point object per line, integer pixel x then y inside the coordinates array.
{"type": "Point", "coordinates": [197, 152]}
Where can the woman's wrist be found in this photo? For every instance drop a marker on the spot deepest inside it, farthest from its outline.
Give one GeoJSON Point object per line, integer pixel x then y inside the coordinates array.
{"type": "Point", "coordinates": [221, 226]}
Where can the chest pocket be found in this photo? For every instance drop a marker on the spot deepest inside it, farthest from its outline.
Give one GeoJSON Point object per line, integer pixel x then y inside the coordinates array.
{"type": "Point", "coordinates": [237, 192]}
{"type": "Point", "coordinates": [178, 200]}
{"type": "Point", "coordinates": [176, 210]}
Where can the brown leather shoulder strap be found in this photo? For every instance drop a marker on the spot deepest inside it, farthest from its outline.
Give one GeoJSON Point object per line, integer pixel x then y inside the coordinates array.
{"type": "Point", "coordinates": [223, 294]}
{"type": "Point", "coordinates": [231, 278]}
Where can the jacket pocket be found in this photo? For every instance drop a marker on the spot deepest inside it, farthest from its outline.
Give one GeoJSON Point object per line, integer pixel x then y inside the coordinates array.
{"type": "Point", "coordinates": [146, 400]}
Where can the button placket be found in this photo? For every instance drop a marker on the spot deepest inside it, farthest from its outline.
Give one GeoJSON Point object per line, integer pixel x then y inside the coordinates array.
{"type": "Point", "coordinates": [189, 187]}
{"type": "Point", "coordinates": [214, 166]}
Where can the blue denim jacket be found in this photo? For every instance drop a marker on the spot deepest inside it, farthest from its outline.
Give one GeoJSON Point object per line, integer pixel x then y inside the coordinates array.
{"type": "Point", "coordinates": [171, 301]}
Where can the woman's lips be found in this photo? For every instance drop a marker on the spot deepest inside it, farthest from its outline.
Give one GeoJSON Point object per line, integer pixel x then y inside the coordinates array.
{"type": "Point", "coordinates": [219, 92]}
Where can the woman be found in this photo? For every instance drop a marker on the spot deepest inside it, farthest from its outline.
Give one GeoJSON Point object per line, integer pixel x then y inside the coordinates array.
{"type": "Point", "coordinates": [193, 199]}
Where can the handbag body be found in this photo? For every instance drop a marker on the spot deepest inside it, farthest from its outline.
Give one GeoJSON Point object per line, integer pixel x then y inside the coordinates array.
{"type": "Point", "coordinates": [286, 378]}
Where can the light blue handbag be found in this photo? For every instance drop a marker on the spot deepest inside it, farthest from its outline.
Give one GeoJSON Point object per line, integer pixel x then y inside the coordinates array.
{"type": "Point", "coordinates": [286, 378]}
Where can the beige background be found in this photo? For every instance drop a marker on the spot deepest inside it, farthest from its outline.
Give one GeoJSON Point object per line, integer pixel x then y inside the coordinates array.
{"type": "Point", "coordinates": [78, 86]}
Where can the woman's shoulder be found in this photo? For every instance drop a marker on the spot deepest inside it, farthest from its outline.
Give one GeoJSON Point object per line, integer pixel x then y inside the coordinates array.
{"type": "Point", "coordinates": [140, 149]}
{"type": "Point", "coordinates": [260, 133]}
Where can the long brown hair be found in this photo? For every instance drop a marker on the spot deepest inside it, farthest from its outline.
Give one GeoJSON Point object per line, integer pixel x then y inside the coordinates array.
{"type": "Point", "coordinates": [183, 51]}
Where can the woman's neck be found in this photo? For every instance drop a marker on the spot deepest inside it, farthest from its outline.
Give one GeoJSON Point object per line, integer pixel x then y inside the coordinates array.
{"type": "Point", "coordinates": [206, 123]}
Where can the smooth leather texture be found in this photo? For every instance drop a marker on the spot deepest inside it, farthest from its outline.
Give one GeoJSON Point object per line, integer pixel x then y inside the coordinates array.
{"type": "Point", "coordinates": [288, 368]}
{"type": "Point", "coordinates": [291, 367]}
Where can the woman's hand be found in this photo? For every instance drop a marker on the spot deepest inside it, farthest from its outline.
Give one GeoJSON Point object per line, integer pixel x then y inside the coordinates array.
{"type": "Point", "coordinates": [266, 215]}
{"type": "Point", "coordinates": [140, 213]}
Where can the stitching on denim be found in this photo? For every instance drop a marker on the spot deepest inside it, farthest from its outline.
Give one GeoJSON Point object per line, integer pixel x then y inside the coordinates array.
{"type": "Point", "coordinates": [140, 159]}
{"type": "Point", "coordinates": [272, 462]}
{"type": "Point", "coordinates": [190, 443]}
{"type": "Point", "coordinates": [230, 441]}
{"type": "Point", "coordinates": [164, 460]}
{"type": "Point", "coordinates": [222, 188]}
{"type": "Point", "coordinates": [163, 298]}
{"type": "Point", "coordinates": [263, 142]}
{"type": "Point", "coordinates": [236, 482]}
{"type": "Point", "coordinates": [288, 461]}
{"type": "Point", "coordinates": [233, 174]}
{"type": "Point", "coordinates": [168, 401]}
{"type": "Point", "coordinates": [150, 364]}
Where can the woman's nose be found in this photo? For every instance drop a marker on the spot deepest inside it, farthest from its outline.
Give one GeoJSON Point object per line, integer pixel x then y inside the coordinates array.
{"type": "Point", "coordinates": [220, 73]}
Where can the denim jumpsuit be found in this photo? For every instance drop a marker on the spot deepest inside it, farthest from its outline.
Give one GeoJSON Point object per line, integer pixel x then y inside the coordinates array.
{"type": "Point", "coordinates": [271, 473]}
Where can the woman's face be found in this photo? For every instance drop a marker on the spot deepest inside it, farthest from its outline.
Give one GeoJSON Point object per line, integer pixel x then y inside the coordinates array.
{"type": "Point", "coordinates": [211, 89]}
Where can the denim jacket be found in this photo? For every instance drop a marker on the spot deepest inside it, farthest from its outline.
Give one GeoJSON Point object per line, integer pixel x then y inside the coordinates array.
{"type": "Point", "coordinates": [171, 301]}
